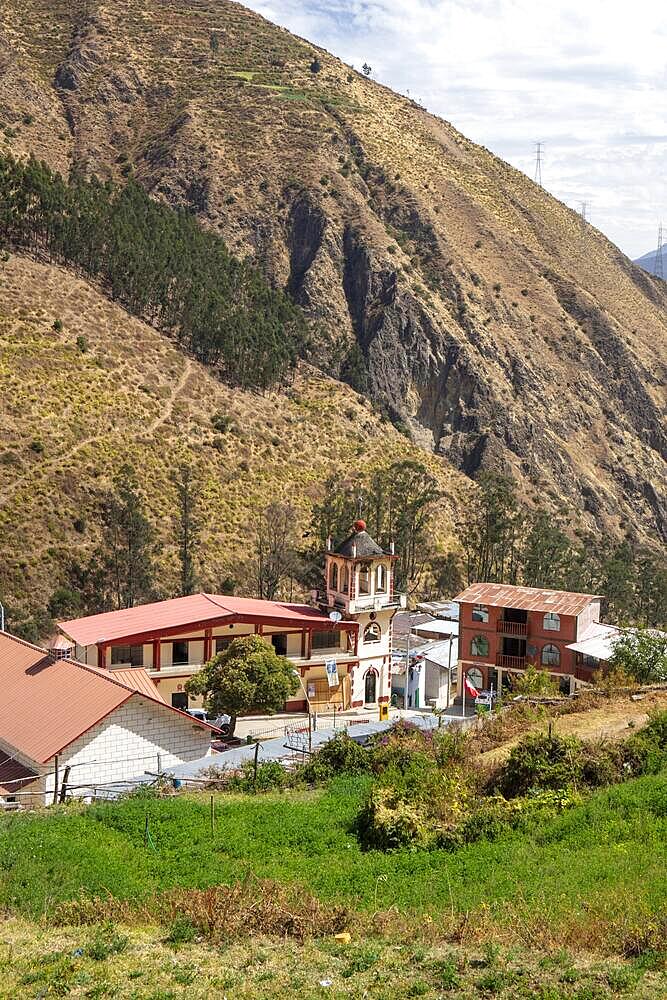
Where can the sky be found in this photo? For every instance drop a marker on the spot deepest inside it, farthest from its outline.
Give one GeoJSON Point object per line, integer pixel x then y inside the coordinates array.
{"type": "Point", "coordinates": [588, 79]}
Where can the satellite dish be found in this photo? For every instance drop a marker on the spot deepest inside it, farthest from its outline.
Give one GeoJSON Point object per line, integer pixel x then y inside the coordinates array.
{"type": "Point", "coordinates": [335, 616]}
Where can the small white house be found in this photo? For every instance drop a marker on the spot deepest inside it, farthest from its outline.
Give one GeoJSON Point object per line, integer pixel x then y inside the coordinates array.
{"type": "Point", "coordinates": [64, 722]}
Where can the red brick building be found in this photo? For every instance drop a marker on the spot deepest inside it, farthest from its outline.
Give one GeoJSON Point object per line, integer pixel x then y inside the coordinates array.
{"type": "Point", "coordinates": [502, 629]}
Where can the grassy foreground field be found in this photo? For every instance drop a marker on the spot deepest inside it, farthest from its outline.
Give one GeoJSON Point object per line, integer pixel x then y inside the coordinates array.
{"type": "Point", "coordinates": [593, 878]}
{"type": "Point", "coordinates": [74, 962]}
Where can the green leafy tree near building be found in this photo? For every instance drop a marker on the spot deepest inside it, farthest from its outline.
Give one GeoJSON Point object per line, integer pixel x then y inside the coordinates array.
{"type": "Point", "coordinates": [247, 677]}
{"type": "Point", "coordinates": [641, 653]}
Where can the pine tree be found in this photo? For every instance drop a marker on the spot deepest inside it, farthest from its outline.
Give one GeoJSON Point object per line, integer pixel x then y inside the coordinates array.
{"type": "Point", "coordinates": [188, 528]}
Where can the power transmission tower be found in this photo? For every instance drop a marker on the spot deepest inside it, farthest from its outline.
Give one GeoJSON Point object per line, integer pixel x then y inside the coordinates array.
{"type": "Point", "coordinates": [659, 269]}
{"type": "Point", "coordinates": [538, 163]}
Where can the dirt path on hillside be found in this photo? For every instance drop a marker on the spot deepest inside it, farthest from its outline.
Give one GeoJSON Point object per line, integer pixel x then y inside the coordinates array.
{"type": "Point", "coordinates": [65, 456]}
{"type": "Point", "coordinates": [609, 722]}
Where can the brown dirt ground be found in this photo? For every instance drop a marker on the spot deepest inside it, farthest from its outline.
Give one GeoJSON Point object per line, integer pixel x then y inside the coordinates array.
{"type": "Point", "coordinates": [612, 721]}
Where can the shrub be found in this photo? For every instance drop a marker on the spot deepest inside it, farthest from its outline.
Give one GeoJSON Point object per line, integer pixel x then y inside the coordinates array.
{"type": "Point", "coordinates": [387, 822]}
{"type": "Point", "coordinates": [57, 325]}
{"type": "Point", "coordinates": [181, 931]}
{"type": "Point", "coordinates": [341, 755]}
{"type": "Point", "coordinates": [105, 941]}
{"type": "Point", "coordinates": [270, 776]}
{"type": "Point", "coordinates": [541, 761]}
{"type": "Point", "coordinates": [222, 422]}
{"type": "Point", "coordinates": [82, 343]}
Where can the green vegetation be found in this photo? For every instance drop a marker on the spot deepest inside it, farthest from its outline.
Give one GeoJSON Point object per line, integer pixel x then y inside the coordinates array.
{"type": "Point", "coordinates": [159, 264]}
{"type": "Point", "coordinates": [642, 654]}
{"type": "Point", "coordinates": [598, 868]}
{"type": "Point", "coordinates": [247, 677]}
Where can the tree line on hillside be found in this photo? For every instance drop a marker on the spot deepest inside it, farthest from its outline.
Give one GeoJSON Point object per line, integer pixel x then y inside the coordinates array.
{"type": "Point", "coordinates": [498, 541]}
{"type": "Point", "coordinates": [159, 264]}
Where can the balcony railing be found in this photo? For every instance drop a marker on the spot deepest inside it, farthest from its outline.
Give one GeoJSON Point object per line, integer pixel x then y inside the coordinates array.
{"type": "Point", "coordinates": [513, 662]}
{"type": "Point", "coordinates": [512, 628]}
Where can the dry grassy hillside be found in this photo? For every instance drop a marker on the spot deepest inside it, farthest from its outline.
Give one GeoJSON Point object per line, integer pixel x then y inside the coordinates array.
{"type": "Point", "coordinates": [489, 322]}
{"type": "Point", "coordinates": [71, 417]}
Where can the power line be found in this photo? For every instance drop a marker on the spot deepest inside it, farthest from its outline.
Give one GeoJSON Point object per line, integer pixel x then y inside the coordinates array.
{"type": "Point", "coordinates": [538, 163]}
{"type": "Point", "coordinates": [659, 269]}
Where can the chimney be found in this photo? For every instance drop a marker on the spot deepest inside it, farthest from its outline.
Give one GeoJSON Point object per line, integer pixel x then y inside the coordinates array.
{"type": "Point", "coordinates": [354, 550]}
{"type": "Point", "coordinates": [392, 547]}
{"type": "Point", "coordinates": [328, 543]}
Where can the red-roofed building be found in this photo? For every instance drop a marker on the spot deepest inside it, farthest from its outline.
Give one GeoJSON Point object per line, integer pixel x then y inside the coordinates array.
{"type": "Point", "coordinates": [173, 639]}
{"type": "Point", "coordinates": [341, 647]}
{"type": "Point", "coordinates": [56, 714]}
{"type": "Point", "coordinates": [503, 628]}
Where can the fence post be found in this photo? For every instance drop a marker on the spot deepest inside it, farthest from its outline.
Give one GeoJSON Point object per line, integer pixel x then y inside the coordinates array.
{"type": "Point", "coordinates": [212, 815]}
{"type": "Point", "coordinates": [63, 787]}
{"type": "Point", "coordinates": [146, 832]}
{"type": "Point", "coordinates": [254, 766]}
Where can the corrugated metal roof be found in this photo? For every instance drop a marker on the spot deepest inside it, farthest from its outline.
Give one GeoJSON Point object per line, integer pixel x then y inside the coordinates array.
{"type": "Point", "coordinates": [181, 612]}
{"type": "Point", "coordinates": [48, 703]}
{"type": "Point", "coordinates": [139, 680]}
{"type": "Point", "coordinates": [502, 595]}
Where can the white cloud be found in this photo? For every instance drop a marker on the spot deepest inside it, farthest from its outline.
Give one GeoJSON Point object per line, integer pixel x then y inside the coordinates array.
{"type": "Point", "coordinates": [588, 78]}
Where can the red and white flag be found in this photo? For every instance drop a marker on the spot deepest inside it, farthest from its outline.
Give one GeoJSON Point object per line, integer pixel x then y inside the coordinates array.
{"type": "Point", "coordinates": [472, 691]}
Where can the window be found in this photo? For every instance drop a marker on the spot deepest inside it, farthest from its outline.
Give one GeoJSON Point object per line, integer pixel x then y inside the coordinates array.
{"type": "Point", "coordinates": [550, 655]}
{"type": "Point", "coordinates": [345, 580]}
{"type": "Point", "coordinates": [381, 580]}
{"type": "Point", "coordinates": [134, 655]}
{"type": "Point", "coordinates": [372, 632]}
{"type": "Point", "coordinates": [480, 613]}
{"type": "Point", "coordinates": [326, 640]}
{"type": "Point", "coordinates": [479, 646]}
{"type": "Point", "coordinates": [279, 643]}
{"type": "Point", "coordinates": [333, 577]}
{"type": "Point", "coordinates": [364, 579]}
{"type": "Point", "coordinates": [180, 653]}
{"type": "Point", "coordinates": [179, 699]}
{"type": "Point", "coordinates": [589, 661]}
{"type": "Point", "coordinates": [223, 643]}
{"type": "Point", "coordinates": [551, 622]}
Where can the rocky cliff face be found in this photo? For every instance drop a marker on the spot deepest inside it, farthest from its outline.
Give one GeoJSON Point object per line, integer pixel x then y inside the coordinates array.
{"type": "Point", "coordinates": [469, 304]}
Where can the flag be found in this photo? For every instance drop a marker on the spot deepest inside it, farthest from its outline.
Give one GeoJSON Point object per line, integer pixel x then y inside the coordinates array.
{"type": "Point", "coordinates": [472, 691]}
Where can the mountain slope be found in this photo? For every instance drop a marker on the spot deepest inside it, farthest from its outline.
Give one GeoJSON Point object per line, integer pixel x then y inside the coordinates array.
{"type": "Point", "coordinates": [74, 410]}
{"type": "Point", "coordinates": [463, 299]}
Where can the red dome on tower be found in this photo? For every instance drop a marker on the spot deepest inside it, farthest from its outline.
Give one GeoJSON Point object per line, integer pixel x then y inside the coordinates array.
{"type": "Point", "coordinates": [359, 525]}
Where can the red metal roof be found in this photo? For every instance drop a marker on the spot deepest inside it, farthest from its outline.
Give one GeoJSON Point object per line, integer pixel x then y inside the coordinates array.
{"type": "Point", "coordinates": [182, 612]}
{"type": "Point", "coordinates": [139, 680]}
{"type": "Point", "coordinates": [502, 595]}
{"type": "Point", "coordinates": [48, 703]}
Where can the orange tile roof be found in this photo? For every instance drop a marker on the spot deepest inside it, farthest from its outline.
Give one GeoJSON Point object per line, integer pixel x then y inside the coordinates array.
{"type": "Point", "coordinates": [504, 595]}
{"type": "Point", "coordinates": [48, 703]}
{"type": "Point", "coordinates": [182, 612]}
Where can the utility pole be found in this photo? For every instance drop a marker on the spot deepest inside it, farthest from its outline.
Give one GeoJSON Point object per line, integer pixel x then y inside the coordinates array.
{"type": "Point", "coordinates": [2, 617]}
{"type": "Point", "coordinates": [659, 268]}
{"type": "Point", "coordinates": [538, 162]}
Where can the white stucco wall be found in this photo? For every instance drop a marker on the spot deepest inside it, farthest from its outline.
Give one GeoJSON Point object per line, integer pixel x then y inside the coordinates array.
{"type": "Point", "coordinates": [128, 742]}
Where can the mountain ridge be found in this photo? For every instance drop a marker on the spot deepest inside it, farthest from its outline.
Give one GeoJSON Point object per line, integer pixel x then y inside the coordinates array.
{"type": "Point", "coordinates": [470, 305]}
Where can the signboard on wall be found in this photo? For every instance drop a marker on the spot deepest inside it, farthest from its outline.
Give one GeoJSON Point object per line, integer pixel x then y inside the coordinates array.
{"type": "Point", "coordinates": [332, 673]}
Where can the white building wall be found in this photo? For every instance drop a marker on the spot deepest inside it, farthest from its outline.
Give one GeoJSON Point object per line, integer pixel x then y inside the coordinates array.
{"type": "Point", "coordinates": [128, 742]}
